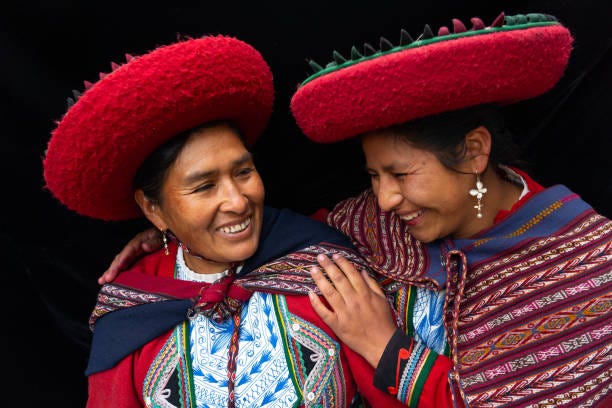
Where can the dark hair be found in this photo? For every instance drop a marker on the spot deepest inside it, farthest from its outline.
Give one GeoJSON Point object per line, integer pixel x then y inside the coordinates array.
{"type": "Point", "coordinates": [152, 172]}
{"type": "Point", "coordinates": [444, 135]}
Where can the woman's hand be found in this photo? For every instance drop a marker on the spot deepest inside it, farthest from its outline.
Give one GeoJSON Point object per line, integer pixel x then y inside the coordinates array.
{"type": "Point", "coordinates": [360, 314]}
{"type": "Point", "coordinates": [144, 242]}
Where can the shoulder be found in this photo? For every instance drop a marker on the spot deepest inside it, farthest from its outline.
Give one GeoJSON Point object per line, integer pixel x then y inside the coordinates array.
{"type": "Point", "coordinates": [157, 263]}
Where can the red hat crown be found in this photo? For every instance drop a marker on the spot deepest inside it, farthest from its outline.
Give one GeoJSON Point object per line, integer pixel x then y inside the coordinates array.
{"type": "Point", "coordinates": [515, 58]}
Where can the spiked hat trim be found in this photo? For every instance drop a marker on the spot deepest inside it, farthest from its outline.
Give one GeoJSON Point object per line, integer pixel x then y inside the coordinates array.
{"type": "Point", "coordinates": [516, 58]}
{"type": "Point", "coordinates": [105, 136]}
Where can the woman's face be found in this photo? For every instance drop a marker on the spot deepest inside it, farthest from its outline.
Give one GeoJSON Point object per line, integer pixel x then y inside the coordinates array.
{"type": "Point", "coordinates": [213, 196]}
{"type": "Point", "coordinates": [432, 200]}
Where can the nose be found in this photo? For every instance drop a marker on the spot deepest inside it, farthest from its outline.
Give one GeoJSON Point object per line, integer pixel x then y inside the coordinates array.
{"type": "Point", "coordinates": [233, 199]}
{"type": "Point", "coordinates": [388, 194]}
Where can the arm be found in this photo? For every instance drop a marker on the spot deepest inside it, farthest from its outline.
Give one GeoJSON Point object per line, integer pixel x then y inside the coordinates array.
{"type": "Point", "coordinates": [414, 374]}
{"type": "Point", "coordinates": [361, 318]}
{"type": "Point", "coordinates": [144, 242]}
{"type": "Point", "coordinates": [149, 241]}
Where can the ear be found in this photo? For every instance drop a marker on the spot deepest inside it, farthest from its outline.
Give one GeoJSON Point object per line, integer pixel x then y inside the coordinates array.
{"type": "Point", "coordinates": [151, 210]}
{"type": "Point", "coordinates": [478, 149]}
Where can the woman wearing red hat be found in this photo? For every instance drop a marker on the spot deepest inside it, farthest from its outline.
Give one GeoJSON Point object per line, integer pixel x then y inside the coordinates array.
{"type": "Point", "coordinates": [515, 274]}
{"type": "Point", "coordinates": [525, 270]}
{"type": "Point", "coordinates": [219, 317]}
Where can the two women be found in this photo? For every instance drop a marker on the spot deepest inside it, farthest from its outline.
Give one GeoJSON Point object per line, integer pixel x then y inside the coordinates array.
{"type": "Point", "coordinates": [515, 275]}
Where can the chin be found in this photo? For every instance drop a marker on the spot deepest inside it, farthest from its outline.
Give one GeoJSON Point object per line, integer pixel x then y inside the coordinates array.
{"type": "Point", "coordinates": [244, 252]}
{"type": "Point", "coordinates": [424, 238]}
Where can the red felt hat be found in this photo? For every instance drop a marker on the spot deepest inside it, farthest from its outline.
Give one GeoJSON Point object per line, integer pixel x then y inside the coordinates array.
{"type": "Point", "coordinates": [114, 125]}
{"type": "Point", "coordinates": [517, 57]}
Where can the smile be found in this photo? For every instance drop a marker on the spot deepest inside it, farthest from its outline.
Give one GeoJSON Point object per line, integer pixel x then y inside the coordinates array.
{"type": "Point", "coordinates": [234, 229]}
{"type": "Point", "coordinates": [411, 216]}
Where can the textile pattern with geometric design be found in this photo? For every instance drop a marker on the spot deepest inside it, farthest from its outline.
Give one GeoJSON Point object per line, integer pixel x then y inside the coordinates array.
{"type": "Point", "coordinates": [383, 240]}
{"type": "Point", "coordinates": [535, 323]}
{"type": "Point", "coordinates": [323, 385]}
{"type": "Point", "coordinates": [539, 252]}
{"type": "Point", "coordinates": [112, 297]}
{"type": "Point", "coordinates": [170, 366]}
{"type": "Point", "coordinates": [290, 274]}
{"type": "Point", "coordinates": [579, 393]}
{"type": "Point", "coordinates": [539, 268]}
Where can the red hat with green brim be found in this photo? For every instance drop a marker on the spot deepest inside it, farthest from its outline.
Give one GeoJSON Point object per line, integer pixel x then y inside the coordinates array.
{"type": "Point", "coordinates": [105, 136]}
{"type": "Point", "coordinates": [515, 58]}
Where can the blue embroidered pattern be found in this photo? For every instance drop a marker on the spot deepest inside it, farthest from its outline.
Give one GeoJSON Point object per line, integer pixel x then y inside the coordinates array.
{"type": "Point", "coordinates": [427, 319]}
{"type": "Point", "coordinates": [262, 374]}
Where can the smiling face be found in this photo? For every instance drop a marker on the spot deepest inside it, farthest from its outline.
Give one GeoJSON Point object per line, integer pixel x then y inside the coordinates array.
{"type": "Point", "coordinates": [430, 198]}
{"type": "Point", "coordinates": [211, 199]}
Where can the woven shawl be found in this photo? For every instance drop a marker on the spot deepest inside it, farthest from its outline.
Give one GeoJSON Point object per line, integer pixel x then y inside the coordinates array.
{"type": "Point", "coordinates": [144, 302]}
{"type": "Point", "coordinates": [528, 300]}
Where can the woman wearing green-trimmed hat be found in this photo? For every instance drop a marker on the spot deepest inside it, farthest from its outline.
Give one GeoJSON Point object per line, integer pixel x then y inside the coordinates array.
{"type": "Point", "coordinates": [524, 270]}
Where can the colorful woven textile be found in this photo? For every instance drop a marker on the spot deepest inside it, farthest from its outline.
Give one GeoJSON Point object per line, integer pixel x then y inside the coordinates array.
{"type": "Point", "coordinates": [532, 324]}
{"type": "Point", "coordinates": [383, 240]}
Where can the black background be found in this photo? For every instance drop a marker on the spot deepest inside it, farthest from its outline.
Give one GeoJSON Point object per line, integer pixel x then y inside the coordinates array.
{"type": "Point", "coordinates": [51, 257]}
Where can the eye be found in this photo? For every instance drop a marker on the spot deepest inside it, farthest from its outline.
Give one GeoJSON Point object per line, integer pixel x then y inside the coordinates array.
{"type": "Point", "coordinates": [245, 171]}
{"type": "Point", "coordinates": [372, 175]}
{"type": "Point", "coordinates": [399, 175]}
{"type": "Point", "coordinates": [204, 187]}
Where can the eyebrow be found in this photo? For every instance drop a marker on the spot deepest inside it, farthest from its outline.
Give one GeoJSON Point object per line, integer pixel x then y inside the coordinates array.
{"type": "Point", "coordinates": [389, 168]}
{"type": "Point", "coordinates": [193, 177]}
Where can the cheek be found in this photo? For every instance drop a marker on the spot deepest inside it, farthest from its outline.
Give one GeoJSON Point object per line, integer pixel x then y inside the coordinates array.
{"type": "Point", "coordinates": [375, 185]}
{"type": "Point", "coordinates": [193, 211]}
{"type": "Point", "coordinates": [256, 190]}
{"type": "Point", "coordinates": [415, 188]}
{"type": "Point", "coordinates": [457, 197]}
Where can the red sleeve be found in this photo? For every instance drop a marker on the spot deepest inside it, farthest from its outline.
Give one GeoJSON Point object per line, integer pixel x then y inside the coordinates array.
{"type": "Point", "coordinates": [436, 391]}
{"type": "Point", "coordinates": [114, 387]}
{"type": "Point", "coordinates": [363, 373]}
{"type": "Point", "coordinates": [413, 373]}
{"type": "Point", "coordinates": [121, 386]}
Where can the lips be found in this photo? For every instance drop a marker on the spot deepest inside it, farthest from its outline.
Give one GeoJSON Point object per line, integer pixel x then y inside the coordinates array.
{"type": "Point", "coordinates": [236, 228]}
{"type": "Point", "coordinates": [411, 218]}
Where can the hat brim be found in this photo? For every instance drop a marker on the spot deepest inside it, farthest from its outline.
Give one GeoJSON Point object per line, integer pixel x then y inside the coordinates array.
{"type": "Point", "coordinates": [102, 140]}
{"type": "Point", "coordinates": [494, 66]}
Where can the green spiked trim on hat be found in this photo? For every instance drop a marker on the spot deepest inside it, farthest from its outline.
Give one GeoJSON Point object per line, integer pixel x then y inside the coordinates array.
{"type": "Point", "coordinates": [501, 23]}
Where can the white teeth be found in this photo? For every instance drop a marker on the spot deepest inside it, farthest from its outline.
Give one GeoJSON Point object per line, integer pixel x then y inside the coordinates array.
{"type": "Point", "coordinates": [236, 228]}
{"type": "Point", "coordinates": [411, 216]}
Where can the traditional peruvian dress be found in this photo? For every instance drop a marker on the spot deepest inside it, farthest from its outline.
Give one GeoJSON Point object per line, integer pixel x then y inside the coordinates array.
{"type": "Point", "coordinates": [163, 338]}
{"type": "Point", "coordinates": [527, 305]}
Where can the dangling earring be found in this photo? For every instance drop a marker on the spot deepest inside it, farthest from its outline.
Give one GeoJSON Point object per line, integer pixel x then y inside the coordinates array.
{"type": "Point", "coordinates": [165, 241]}
{"type": "Point", "coordinates": [478, 192]}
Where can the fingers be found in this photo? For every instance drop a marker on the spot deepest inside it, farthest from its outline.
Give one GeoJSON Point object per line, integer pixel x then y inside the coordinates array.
{"type": "Point", "coordinates": [150, 240]}
{"type": "Point", "coordinates": [343, 275]}
{"type": "Point", "coordinates": [121, 262]}
{"type": "Point", "coordinates": [324, 313]}
{"type": "Point", "coordinates": [355, 278]}
{"type": "Point", "coordinates": [326, 287]}
{"type": "Point", "coordinates": [341, 283]}
{"type": "Point", "coordinates": [372, 283]}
